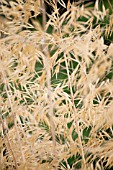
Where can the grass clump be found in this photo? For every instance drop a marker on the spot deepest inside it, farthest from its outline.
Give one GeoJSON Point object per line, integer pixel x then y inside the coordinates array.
{"type": "Point", "coordinates": [56, 87]}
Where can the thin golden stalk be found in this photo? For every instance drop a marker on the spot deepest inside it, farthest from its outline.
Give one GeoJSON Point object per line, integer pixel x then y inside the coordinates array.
{"type": "Point", "coordinates": [48, 80]}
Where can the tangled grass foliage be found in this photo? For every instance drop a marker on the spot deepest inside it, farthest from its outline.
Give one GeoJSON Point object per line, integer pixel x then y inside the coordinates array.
{"type": "Point", "coordinates": [56, 87]}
